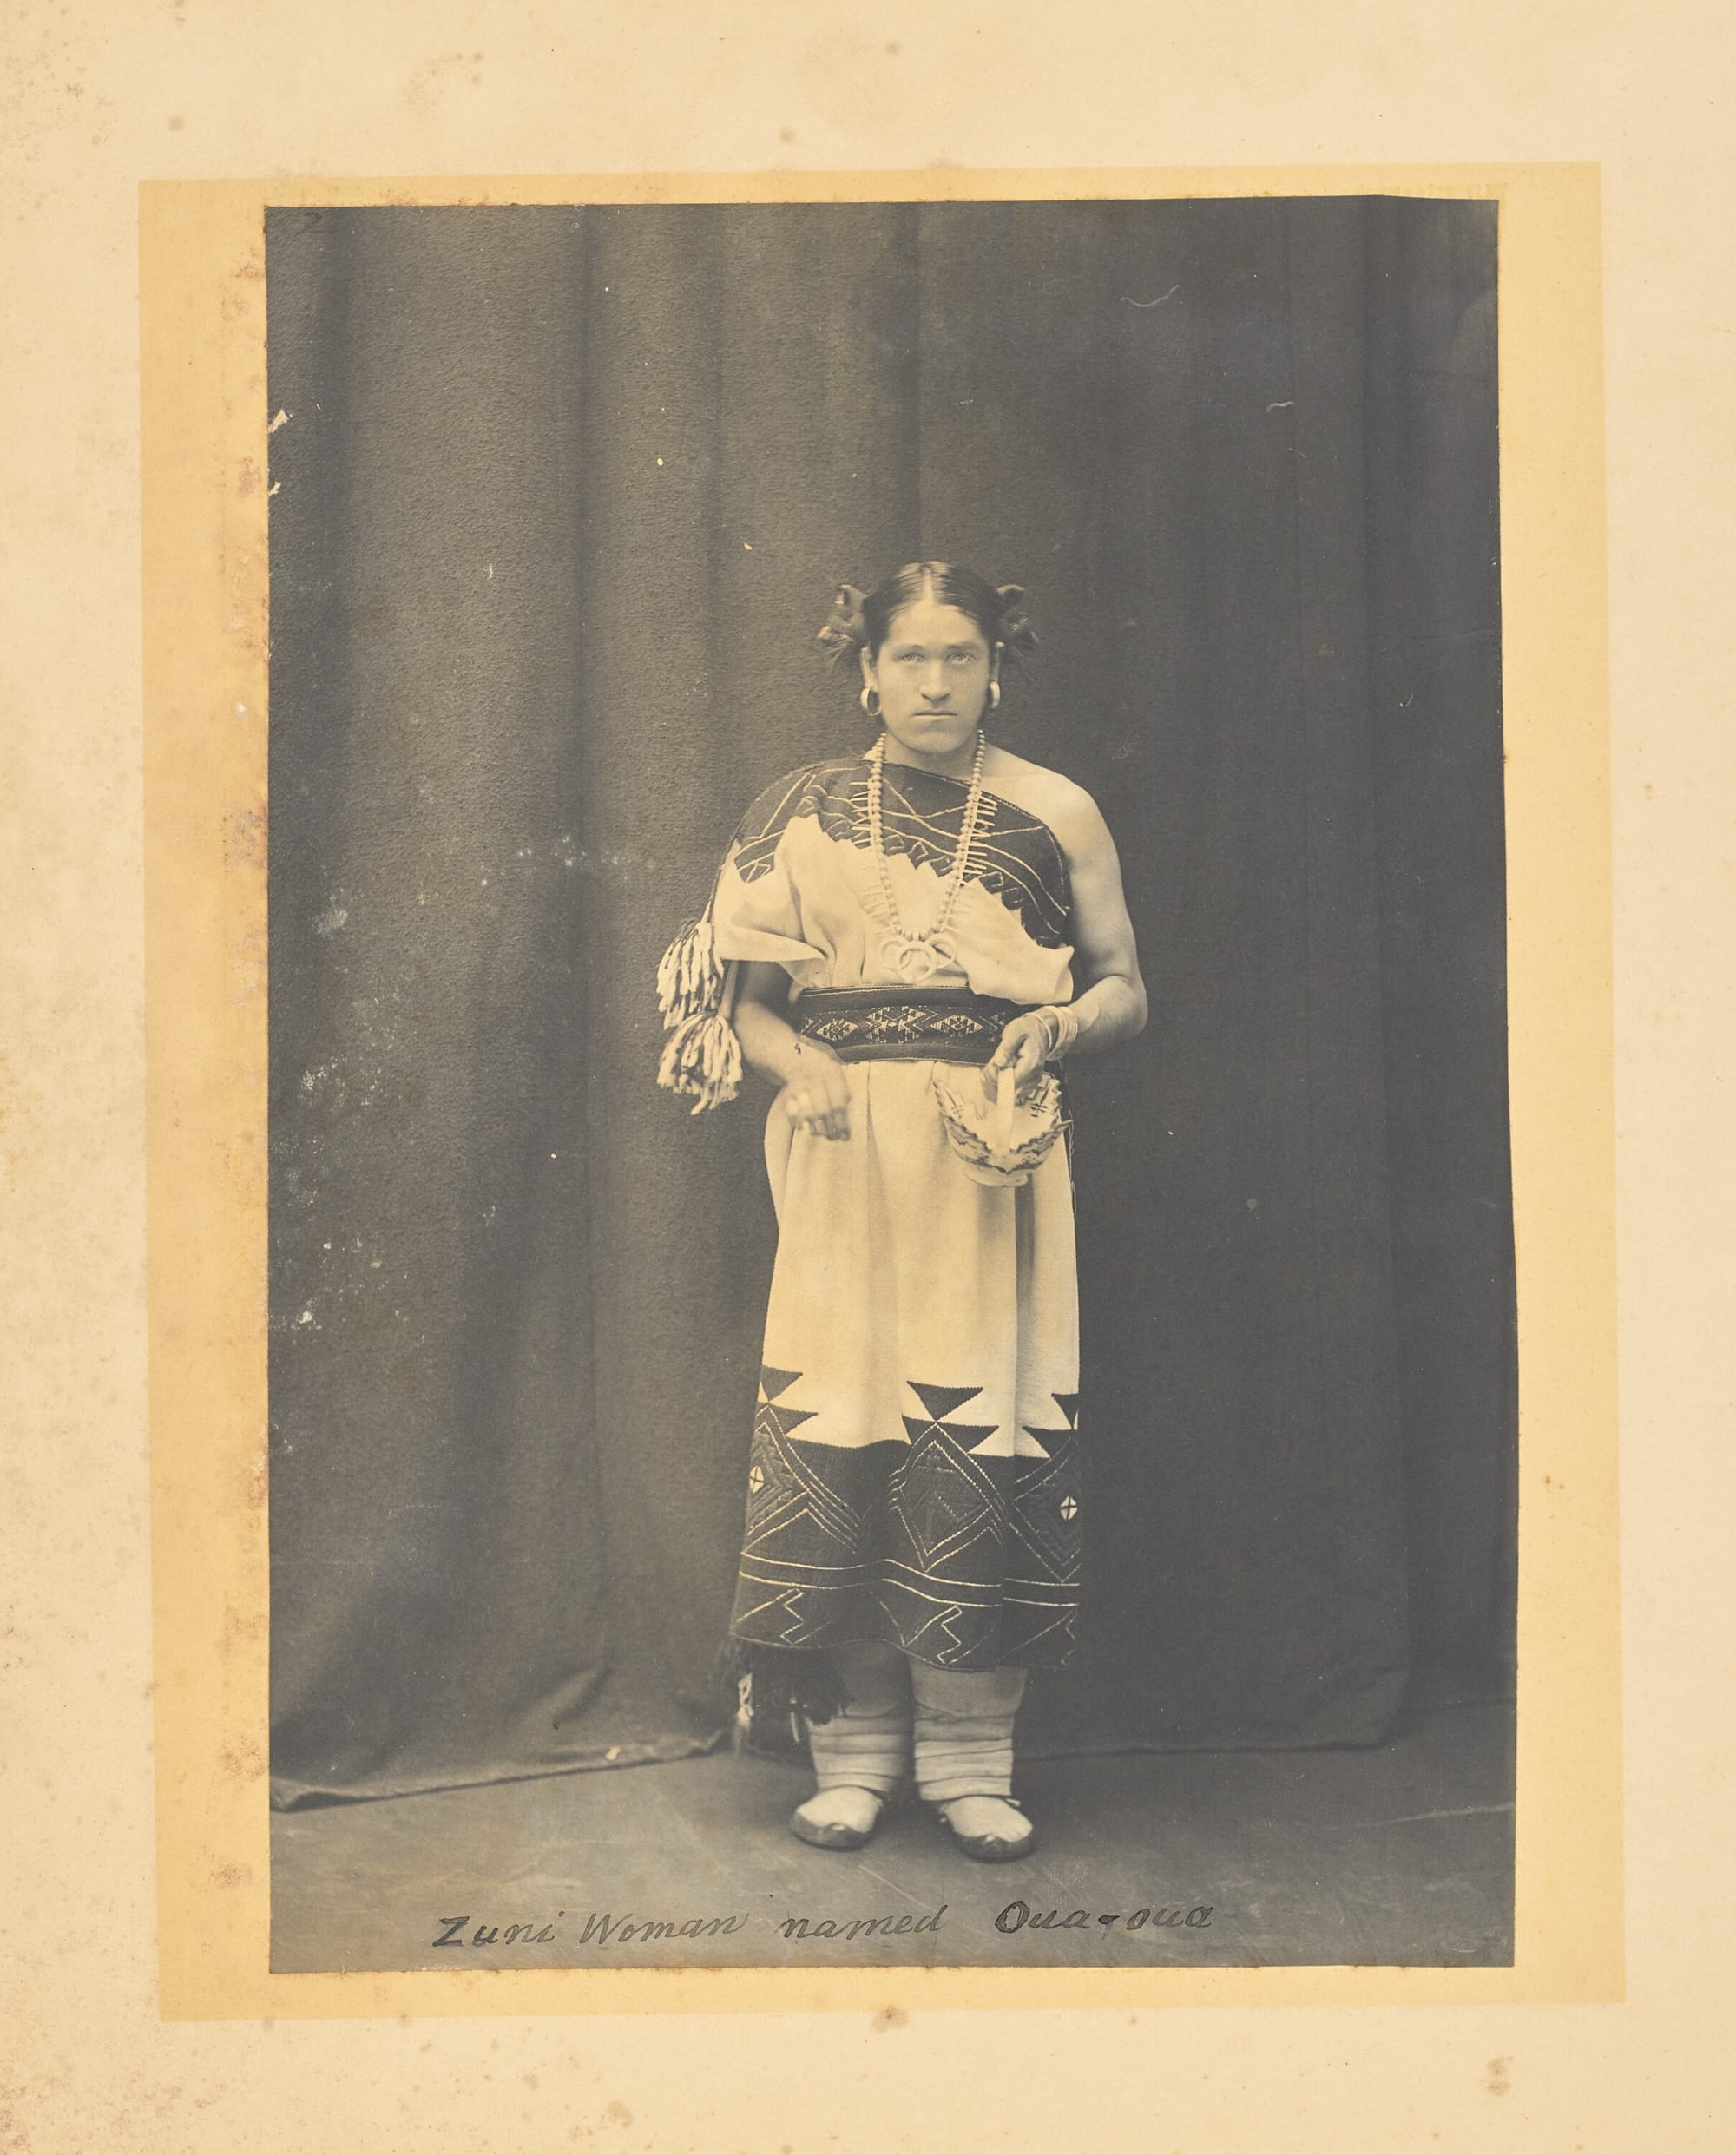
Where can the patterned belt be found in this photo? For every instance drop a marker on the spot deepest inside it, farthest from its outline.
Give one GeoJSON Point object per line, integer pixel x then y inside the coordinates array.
{"type": "Point", "coordinates": [905, 1024]}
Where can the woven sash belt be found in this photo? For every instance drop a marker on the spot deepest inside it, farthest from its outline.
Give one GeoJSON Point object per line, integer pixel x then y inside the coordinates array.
{"type": "Point", "coordinates": [904, 1024]}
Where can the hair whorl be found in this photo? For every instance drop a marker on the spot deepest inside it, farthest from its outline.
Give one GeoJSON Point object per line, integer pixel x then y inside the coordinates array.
{"type": "Point", "coordinates": [846, 630]}
{"type": "Point", "coordinates": [1017, 636]}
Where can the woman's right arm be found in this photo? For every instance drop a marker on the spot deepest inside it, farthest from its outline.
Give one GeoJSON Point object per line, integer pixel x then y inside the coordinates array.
{"type": "Point", "coordinates": [815, 1090]}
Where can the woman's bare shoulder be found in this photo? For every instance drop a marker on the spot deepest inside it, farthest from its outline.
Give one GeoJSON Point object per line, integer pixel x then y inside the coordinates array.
{"type": "Point", "coordinates": [1062, 802]}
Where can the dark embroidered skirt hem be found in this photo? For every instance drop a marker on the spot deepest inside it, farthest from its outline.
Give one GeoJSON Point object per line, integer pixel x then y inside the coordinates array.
{"type": "Point", "coordinates": [1045, 1640]}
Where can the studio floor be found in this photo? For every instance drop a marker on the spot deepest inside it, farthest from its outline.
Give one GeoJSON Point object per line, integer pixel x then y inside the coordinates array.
{"type": "Point", "coordinates": [1399, 1855]}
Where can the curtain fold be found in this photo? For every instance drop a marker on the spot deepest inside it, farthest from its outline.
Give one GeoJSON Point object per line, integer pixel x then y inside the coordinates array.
{"type": "Point", "coordinates": [561, 502]}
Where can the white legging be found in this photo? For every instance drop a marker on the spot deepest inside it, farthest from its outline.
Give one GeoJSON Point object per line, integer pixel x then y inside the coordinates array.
{"type": "Point", "coordinates": [955, 1724]}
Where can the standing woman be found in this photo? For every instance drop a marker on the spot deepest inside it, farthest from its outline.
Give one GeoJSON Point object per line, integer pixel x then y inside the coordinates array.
{"type": "Point", "coordinates": [909, 941]}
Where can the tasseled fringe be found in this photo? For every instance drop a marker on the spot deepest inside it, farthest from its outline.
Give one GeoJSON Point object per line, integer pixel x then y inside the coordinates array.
{"type": "Point", "coordinates": [701, 1059]}
{"type": "Point", "coordinates": [690, 977]}
{"type": "Point", "coordinates": [777, 1691]}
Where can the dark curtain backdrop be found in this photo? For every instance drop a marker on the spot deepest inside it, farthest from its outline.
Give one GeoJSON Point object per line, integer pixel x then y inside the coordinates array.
{"type": "Point", "coordinates": [557, 507]}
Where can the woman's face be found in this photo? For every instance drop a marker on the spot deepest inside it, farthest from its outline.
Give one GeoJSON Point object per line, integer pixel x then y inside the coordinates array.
{"type": "Point", "coordinates": [932, 673]}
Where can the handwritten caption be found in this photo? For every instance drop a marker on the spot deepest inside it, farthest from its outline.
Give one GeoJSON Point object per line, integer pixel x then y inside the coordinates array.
{"type": "Point", "coordinates": [603, 1928]}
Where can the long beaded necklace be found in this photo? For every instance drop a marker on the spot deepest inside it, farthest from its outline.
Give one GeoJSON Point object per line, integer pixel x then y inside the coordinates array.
{"type": "Point", "coordinates": [917, 958]}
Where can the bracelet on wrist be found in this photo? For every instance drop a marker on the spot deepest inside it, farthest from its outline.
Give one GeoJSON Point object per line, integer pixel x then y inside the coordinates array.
{"type": "Point", "coordinates": [1059, 1031]}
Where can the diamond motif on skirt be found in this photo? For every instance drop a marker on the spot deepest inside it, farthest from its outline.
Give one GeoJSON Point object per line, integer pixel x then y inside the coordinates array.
{"type": "Point", "coordinates": [944, 1503]}
{"type": "Point", "coordinates": [1044, 1514]}
{"type": "Point", "coordinates": [772, 1487]}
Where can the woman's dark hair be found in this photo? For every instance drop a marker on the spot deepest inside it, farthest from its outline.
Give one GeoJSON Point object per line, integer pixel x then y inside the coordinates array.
{"type": "Point", "coordinates": [862, 620]}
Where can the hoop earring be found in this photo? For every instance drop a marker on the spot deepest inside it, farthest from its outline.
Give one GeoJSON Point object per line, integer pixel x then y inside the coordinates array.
{"type": "Point", "coordinates": [870, 700]}
{"type": "Point", "coordinates": [993, 695]}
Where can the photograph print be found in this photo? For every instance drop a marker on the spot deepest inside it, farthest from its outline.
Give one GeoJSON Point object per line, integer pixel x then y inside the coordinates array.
{"type": "Point", "coordinates": [892, 1327]}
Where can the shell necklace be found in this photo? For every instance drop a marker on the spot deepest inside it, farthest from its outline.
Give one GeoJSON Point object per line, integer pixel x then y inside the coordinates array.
{"type": "Point", "coordinates": [914, 959]}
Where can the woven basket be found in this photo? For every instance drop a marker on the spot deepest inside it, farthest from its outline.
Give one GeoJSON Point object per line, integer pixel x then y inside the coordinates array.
{"type": "Point", "coordinates": [972, 1123]}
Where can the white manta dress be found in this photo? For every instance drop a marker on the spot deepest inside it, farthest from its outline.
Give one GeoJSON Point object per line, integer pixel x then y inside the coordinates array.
{"type": "Point", "coordinates": [914, 1474]}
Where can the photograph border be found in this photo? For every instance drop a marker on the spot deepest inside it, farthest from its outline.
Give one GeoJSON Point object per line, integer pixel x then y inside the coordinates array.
{"type": "Point", "coordinates": [205, 650]}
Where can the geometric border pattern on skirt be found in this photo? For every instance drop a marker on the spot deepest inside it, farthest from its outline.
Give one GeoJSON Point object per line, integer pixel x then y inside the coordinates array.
{"type": "Point", "coordinates": [962, 1559]}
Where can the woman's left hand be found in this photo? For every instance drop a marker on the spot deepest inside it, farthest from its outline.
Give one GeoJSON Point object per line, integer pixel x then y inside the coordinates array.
{"type": "Point", "coordinates": [1023, 1050]}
